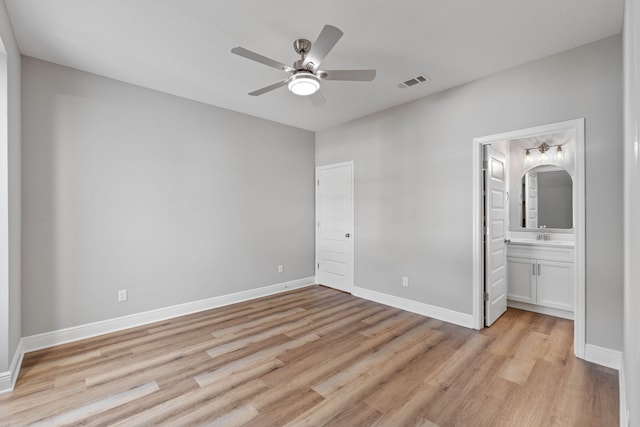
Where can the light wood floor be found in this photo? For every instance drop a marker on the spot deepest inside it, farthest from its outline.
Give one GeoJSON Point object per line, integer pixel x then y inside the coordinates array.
{"type": "Point", "coordinates": [316, 356]}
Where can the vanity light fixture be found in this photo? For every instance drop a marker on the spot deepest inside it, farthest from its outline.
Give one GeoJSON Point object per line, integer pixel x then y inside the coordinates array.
{"type": "Point", "coordinates": [543, 148]}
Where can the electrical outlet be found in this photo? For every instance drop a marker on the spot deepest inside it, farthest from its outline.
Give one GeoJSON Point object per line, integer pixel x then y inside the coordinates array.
{"type": "Point", "coordinates": [122, 295]}
{"type": "Point", "coordinates": [405, 281]}
{"type": "Point", "coordinates": [281, 268]}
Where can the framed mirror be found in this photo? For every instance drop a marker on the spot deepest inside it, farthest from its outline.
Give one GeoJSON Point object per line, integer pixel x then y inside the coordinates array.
{"type": "Point", "coordinates": [546, 199]}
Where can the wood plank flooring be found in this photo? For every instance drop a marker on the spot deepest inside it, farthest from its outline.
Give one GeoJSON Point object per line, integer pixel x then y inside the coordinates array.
{"type": "Point", "coordinates": [316, 356]}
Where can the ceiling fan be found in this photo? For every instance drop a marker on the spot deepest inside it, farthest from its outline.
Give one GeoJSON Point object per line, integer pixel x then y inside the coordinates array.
{"type": "Point", "coordinates": [305, 75]}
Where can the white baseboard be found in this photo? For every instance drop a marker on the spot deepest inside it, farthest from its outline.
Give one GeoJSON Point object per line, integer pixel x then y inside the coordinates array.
{"type": "Point", "coordinates": [8, 379]}
{"type": "Point", "coordinates": [540, 309]}
{"type": "Point", "coordinates": [624, 411]}
{"type": "Point", "coordinates": [5, 381]}
{"type": "Point", "coordinates": [603, 356]}
{"type": "Point", "coordinates": [428, 310]}
{"type": "Point", "coordinates": [62, 336]}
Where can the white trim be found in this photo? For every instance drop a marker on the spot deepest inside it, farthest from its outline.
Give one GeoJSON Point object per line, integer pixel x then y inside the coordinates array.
{"type": "Point", "coordinates": [444, 314]}
{"type": "Point", "coordinates": [62, 336]}
{"type": "Point", "coordinates": [8, 378]}
{"type": "Point", "coordinates": [477, 237]}
{"type": "Point", "coordinates": [622, 390]}
{"type": "Point", "coordinates": [549, 311]}
{"type": "Point", "coordinates": [580, 260]}
{"type": "Point", "coordinates": [603, 356]}
{"type": "Point", "coordinates": [351, 163]}
{"type": "Point", "coordinates": [5, 381]}
{"type": "Point", "coordinates": [577, 125]}
{"type": "Point", "coordinates": [630, 370]}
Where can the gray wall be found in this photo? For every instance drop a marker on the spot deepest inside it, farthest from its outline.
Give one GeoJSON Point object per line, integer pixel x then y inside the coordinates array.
{"type": "Point", "coordinates": [413, 178]}
{"type": "Point", "coordinates": [10, 292]}
{"type": "Point", "coordinates": [175, 201]}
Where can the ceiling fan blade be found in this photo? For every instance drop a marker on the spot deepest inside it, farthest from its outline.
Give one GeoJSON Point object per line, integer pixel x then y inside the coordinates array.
{"type": "Point", "coordinates": [317, 98]}
{"type": "Point", "coordinates": [270, 87]}
{"type": "Point", "coordinates": [261, 59]}
{"type": "Point", "coordinates": [350, 75]}
{"type": "Point", "coordinates": [327, 39]}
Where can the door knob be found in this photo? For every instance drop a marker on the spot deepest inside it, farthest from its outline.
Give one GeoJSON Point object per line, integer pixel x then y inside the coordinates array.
{"type": "Point", "coordinates": [347, 235]}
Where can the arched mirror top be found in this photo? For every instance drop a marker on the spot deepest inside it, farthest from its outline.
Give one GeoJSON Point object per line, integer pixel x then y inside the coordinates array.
{"type": "Point", "coordinates": [546, 168]}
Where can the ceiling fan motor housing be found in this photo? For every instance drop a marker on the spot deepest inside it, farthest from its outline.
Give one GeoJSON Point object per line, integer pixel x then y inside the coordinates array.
{"type": "Point", "coordinates": [302, 46]}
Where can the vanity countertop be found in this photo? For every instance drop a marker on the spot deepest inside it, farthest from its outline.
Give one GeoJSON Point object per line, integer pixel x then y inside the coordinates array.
{"type": "Point", "coordinates": [548, 243]}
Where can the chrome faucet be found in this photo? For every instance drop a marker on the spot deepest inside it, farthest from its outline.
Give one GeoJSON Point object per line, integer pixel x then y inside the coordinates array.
{"type": "Point", "coordinates": [542, 235]}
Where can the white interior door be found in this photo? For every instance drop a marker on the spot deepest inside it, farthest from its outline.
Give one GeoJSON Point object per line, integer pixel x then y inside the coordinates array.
{"type": "Point", "coordinates": [495, 253]}
{"type": "Point", "coordinates": [334, 226]}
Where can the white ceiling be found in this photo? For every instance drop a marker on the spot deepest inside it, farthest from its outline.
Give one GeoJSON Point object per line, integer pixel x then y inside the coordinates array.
{"type": "Point", "coordinates": [183, 47]}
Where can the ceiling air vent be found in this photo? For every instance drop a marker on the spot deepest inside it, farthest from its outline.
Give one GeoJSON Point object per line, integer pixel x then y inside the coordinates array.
{"type": "Point", "coordinates": [414, 81]}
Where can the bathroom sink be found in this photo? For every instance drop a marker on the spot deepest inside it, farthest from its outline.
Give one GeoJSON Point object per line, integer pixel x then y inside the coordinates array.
{"type": "Point", "coordinates": [561, 243]}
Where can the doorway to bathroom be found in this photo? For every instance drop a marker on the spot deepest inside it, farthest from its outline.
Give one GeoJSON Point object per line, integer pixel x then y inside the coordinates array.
{"type": "Point", "coordinates": [528, 218]}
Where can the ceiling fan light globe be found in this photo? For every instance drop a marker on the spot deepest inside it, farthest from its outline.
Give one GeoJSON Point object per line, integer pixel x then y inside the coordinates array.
{"type": "Point", "coordinates": [304, 85]}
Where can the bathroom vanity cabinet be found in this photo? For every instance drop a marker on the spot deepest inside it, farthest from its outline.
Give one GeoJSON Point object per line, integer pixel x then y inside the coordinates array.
{"type": "Point", "coordinates": [540, 278]}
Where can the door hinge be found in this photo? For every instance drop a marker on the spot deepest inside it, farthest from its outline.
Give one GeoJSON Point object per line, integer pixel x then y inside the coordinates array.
{"type": "Point", "coordinates": [318, 224]}
{"type": "Point", "coordinates": [485, 165]}
{"type": "Point", "coordinates": [318, 266]}
{"type": "Point", "coordinates": [318, 183]}
{"type": "Point", "coordinates": [485, 296]}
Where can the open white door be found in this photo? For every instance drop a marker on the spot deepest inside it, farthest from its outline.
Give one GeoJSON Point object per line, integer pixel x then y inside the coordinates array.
{"type": "Point", "coordinates": [334, 226]}
{"type": "Point", "coordinates": [495, 253]}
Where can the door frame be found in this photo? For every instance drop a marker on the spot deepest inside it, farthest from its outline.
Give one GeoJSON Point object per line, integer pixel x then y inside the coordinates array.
{"type": "Point", "coordinates": [577, 125]}
{"type": "Point", "coordinates": [352, 285]}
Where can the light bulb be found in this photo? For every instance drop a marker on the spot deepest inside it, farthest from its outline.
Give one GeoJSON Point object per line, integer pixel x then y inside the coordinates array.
{"type": "Point", "coordinates": [559, 153]}
{"type": "Point", "coordinates": [527, 157]}
{"type": "Point", "coordinates": [543, 155]}
{"type": "Point", "coordinates": [304, 84]}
